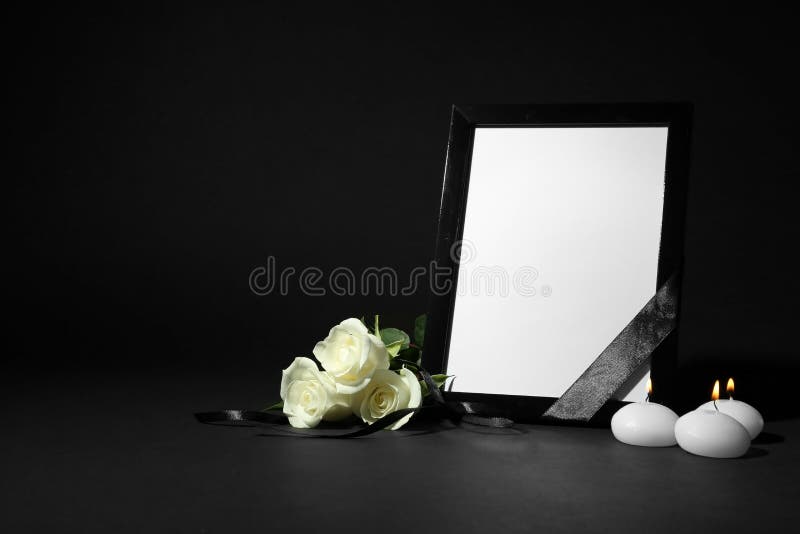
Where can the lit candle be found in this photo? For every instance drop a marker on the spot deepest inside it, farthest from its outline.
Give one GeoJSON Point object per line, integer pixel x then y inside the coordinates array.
{"type": "Point", "coordinates": [647, 424]}
{"type": "Point", "coordinates": [748, 416]}
{"type": "Point", "coordinates": [712, 433]}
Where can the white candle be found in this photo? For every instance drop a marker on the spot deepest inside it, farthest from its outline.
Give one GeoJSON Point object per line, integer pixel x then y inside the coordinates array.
{"type": "Point", "coordinates": [647, 424]}
{"type": "Point", "coordinates": [748, 416]}
{"type": "Point", "coordinates": [712, 434]}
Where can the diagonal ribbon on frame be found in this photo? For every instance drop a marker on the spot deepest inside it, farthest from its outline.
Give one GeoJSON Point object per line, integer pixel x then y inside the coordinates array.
{"type": "Point", "coordinates": [623, 356]}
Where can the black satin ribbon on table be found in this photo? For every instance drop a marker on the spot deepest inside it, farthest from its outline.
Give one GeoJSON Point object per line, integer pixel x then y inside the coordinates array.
{"type": "Point", "coordinates": [456, 411]}
{"type": "Point", "coordinates": [623, 356]}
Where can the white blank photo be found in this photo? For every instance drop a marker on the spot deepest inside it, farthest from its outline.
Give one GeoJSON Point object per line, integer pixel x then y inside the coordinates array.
{"type": "Point", "coordinates": [561, 241]}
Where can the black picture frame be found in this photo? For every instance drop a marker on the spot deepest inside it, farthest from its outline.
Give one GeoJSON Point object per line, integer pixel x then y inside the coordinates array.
{"type": "Point", "coordinates": [464, 119]}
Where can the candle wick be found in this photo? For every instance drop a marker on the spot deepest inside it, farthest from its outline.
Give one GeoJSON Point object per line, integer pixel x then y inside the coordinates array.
{"type": "Point", "coordinates": [715, 405]}
{"type": "Point", "coordinates": [647, 398]}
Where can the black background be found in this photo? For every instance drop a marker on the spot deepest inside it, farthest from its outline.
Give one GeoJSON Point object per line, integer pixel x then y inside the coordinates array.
{"type": "Point", "coordinates": [162, 154]}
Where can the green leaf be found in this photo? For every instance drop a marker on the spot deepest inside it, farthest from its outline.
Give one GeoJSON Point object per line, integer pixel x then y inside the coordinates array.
{"type": "Point", "coordinates": [378, 327]}
{"type": "Point", "coordinates": [277, 406]}
{"type": "Point", "coordinates": [419, 329]}
{"type": "Point", "coordinates": [400, 362]}
{"type": "Point", "coordinates": [439, 380]}
{"type": "Point", "coordinates": [411, 354]}
{"type": "Point", "coordinates": [394, 348]}
{"type": "Point", "coordinates": [389, 336]}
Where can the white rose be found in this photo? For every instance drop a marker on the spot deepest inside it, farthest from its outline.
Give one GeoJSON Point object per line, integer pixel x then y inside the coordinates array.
{"type": "Point", "coordinates": [388, 392]}
{"type": "Point", "coordinates": [309, 395]}
{"type": "Point", "coordinates": [351, 355]}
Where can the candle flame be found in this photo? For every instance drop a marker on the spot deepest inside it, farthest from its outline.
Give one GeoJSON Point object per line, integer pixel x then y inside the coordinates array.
{"type": "Point", "coordinates": [715, 392]}
{"type": "Point", "coordinates": [649, 386]}
{"type": "Point", "coordinates": [729, 387]}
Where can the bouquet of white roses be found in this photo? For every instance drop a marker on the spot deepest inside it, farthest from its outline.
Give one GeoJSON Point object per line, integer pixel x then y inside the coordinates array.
{"type": "Point", "coordinates": [358, 371]}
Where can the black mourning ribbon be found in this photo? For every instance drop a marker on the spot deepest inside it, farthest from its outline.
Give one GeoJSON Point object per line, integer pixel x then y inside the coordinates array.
{"type": "Point", "coordinates": [621, 358]}
{"type": "Point", "coordinates": [456, 411]}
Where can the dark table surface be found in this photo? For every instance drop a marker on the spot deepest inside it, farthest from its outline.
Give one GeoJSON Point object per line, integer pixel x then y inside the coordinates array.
{"type": "Point", "coordinates": [109, 454]}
